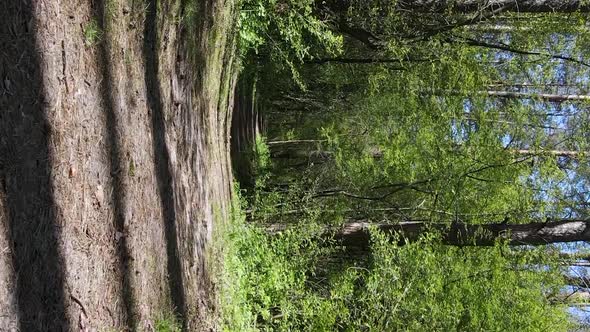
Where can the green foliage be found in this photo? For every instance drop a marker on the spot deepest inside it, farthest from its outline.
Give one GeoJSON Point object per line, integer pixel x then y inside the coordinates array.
{"type": "Point", "coordinates": [425, 286]}
{"type": "Point", "coordinates": [167, 323]}
{"type": "Point", "coordinates": [261, 161]}
{"type": "Point", "coordinates": [462, 168]}
{"type": "Point", "coordinates": [285, 31]}
{"type": "Point", "coordinates": [292, 23]}
{"type": "Point", "coordinates": [265, 286]}
{"type": "Point", "coordinates": [92, 32]}
{"type": "Point", "coordinates": [416, 137]}
{"type": "Point", "coordinates": [262, 165]}
{"type": "Point", "coordinates": [293, 281]}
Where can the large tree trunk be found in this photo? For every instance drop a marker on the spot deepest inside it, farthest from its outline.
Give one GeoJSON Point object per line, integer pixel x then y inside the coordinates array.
{"type": "Point", "coordinates": [113, 158]}
{"type": "Point", "coordinates": [357, 234]}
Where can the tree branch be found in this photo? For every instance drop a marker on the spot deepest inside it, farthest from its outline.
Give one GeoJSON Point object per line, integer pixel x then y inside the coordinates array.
{"type": "Point", "coordinates": [479, 43]}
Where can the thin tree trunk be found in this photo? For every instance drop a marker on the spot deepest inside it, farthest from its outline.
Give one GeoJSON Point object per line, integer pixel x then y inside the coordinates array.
{"type": "Point", "coordinates": [296, 141]}
{"type": "Point", "coordinates": [575, 256]}
{"type": "Point", "coordinates": [469, 6]}
{"type": "Point", "coordinates": [579, 297]}
{"type": "Point", "coordinates": [356, 234]}
{"type": "Point", "coordinates": [554, 153]}
{"type": "Point", "coordinates": [398, 61]}
{"type": "Point", "coordinates": [521, 6]}
{"type": "Point", "coordinates": [578, 281]}
{"type": "Point", "coordinates": [550, 97]}
{"type": "Point", "coordinates": [515, 50]}
{"type": "Point", "coordinates": [557, 98]}
{"type": "Point", "coordinates": [293, 151]}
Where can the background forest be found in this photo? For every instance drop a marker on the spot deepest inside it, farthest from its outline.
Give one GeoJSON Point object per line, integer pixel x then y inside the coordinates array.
{"type": "Point", "coordinates": [410, 166]}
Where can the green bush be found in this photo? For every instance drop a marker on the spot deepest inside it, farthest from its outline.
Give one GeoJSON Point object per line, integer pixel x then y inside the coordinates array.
{"type": "Point", "coordinates": [285, 31]}
{"type": "Point", "coordinates": [297, 281]}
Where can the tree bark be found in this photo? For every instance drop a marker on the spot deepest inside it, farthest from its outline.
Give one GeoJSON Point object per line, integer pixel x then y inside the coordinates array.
{"type": "Point", "coordinates": [113, 156]}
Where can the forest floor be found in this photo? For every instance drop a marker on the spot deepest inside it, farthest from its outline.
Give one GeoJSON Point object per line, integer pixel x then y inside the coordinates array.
{"type": "Point", "coordinates": [114, 162]}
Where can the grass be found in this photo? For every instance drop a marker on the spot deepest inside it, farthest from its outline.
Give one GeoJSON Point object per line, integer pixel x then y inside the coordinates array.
{"type": "Point", "coordinates": [231, 272]}
{"type": "Point", "coordinates": [264, 281]}
{"type": "Point", "coordinates": [167, 323]}
{"type": "Point", "coordinates": [92, 32]}
{"type": "Point", "coordinates": [269, 283]}
{"type": "Point", "coordinates": [111, 8]}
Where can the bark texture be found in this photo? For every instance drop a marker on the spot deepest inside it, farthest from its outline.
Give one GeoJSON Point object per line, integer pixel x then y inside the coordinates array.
{"type": "Point", "coordinates": [114, 160]}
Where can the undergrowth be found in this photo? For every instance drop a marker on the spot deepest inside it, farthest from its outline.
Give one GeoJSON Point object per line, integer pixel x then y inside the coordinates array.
{"type": "Point", "coordinates": [265, 280]}
{"type": "Point", "coordinates": [167, 323]}
{"type": "Point", "coordinates": [92, 32]}
{"type": "Point", "coordinates": [297, 280]}
{"type": "Point", "coordinates": [291, 282]}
